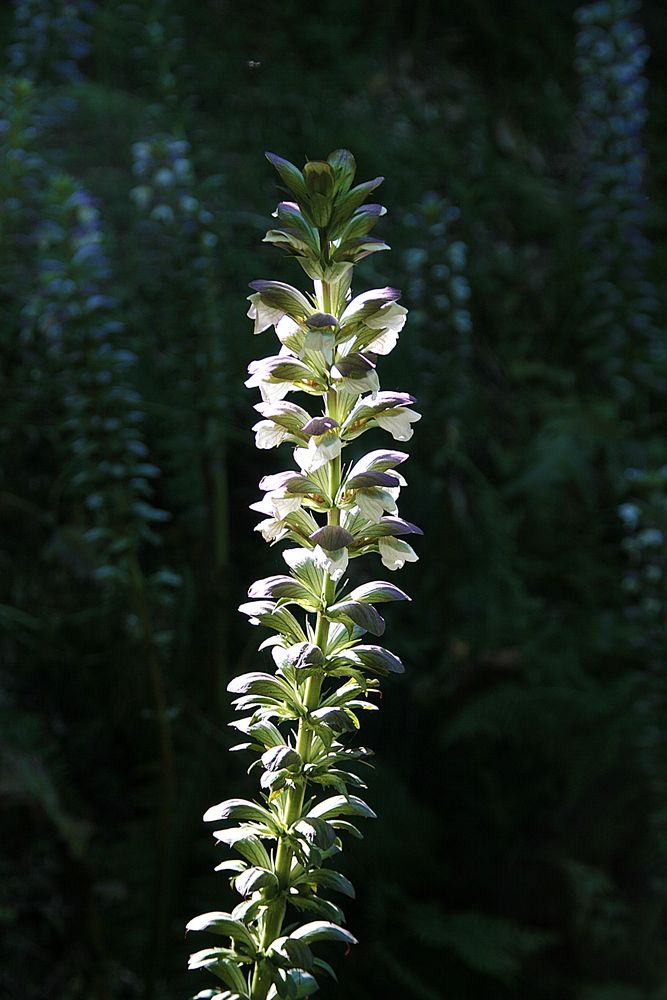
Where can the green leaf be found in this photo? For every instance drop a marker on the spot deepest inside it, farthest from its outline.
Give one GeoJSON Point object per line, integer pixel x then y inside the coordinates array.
{"type": "Point", "coordinates": [347, 205]}
{"type": "Point", "coordinates": [339, 720]}
{"type": "Point", "coordinates": [303, 565]}
{"type": "Point", "coordinates": [283, 757]}
{"type": "Point", "coordinates": [291, 953]}
{"type": "Point", "coordinates": [218, 922]}
{"type": "Point", "coordinates": [332, 537]}
{"type": "Point", "coordinates": [238, 809]}
{"type": "Point", "coordinates": [316, 831]}
{"type": "Point", "coordinates": [280, 295]}
{"type": "Point", "coordinates": [367, 480]}
{"type": "Point", "coordinates": [305, 656]}
{"type": "Point", "coordinates": [296, 984]}
{"type": "Point", "coordinates": [323, 930]}
{"type": "Point", "coordinates": [282, 588]}
{"type": "Point", "coordinates": [342, 805]}
{"type": "Point", "coordinates": [246, 843]}
{"type": "Point", "coordinates": [378, 592]}
{"type": "Point", "coordinates": [319, 906]}
{"type": "Point", "coordinates": [260, 683]}
{"type": "Point", "coordinates": [289, 175]}
{"type": "Point", "coordinates": [326, 878]}
{"type": "Point", "coordinates": [253, 879]}
{"type": "Point", "coordinates": [345, 167]}
{"type": "Point", "coordinates": [359, 613]}
{"type": "Point", "coordinates": [378, 659]}
{"type": "Point", "coordinates": [280, 618]}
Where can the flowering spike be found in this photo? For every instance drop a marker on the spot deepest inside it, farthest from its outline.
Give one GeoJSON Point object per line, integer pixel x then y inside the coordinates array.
{"type": "Point", "coordinates": [297, 719]}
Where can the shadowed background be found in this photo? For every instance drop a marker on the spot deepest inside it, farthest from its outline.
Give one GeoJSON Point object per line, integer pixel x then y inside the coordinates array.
{"type": "Point", "coordinates": [521, 846]}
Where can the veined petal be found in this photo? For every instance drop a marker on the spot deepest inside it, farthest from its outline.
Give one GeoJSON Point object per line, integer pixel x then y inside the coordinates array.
{"type": "Point", "coordinates": [272, 529]}
{"type": "Point", "coordinates": [374, 502]}
{"type": "Point", "coordinates": [384, 344]}
{"type": "Point", "coordinates": [263, 315]}
{"type": "Point", "coordinates": [319, 452]}
{"type": "Point", "coordinates": [333, 562]}
{"type": "Point", "coordinates": [390, 317]}
{"type": "Point", "coordinates": [395, 553]}
{"type": "Point", "coordinates": [269, 435]}
{"type": "Point", "coordinates": [397, 422]}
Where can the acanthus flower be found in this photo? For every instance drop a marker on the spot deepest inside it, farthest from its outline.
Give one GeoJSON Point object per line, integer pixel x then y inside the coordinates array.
{"type": "Point", "coordinates": [298, 716]}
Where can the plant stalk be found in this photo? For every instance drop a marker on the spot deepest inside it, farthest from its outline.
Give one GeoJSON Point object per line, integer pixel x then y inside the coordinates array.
{"type": "Point", "coordinates": [295, 796]}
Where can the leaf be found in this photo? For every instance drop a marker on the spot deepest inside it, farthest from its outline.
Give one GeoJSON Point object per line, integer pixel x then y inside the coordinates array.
{"type": "Point", "coordinates": [238, 809]}
{"type": "Point", "coordinates": [224, 968]}
{"type": "Point", "coordinates": [328, 879]}
{"type": "Point", "coordinates": [284, 297]}
{"type": "Point", "coordinates": [391, 526]}
{"type": "Point", "coordinates": [339, 720]}
{"type": "Point", "coordinates": [342, 805]}
{"type": "Point", "coordinates": [246, 843]}
{"type": "Point", "coordinates": [332, 537]}
{"type": "Point", "coordinates": [322, 930]}
{"type": "Point", "coordinates": [305, 568]}
{"type": "Point", "coordinates": [366, 480]}
{"type": "Point", "coordinates": [289, 175]}
{"type": "Point", "coordinates": [305, 656]}
{"type": "Point", "coordinates": [378, 659]}
{"type": "Point", "coordinates": [260, 683]}
{"type": "Point", "coordinates": [361, 614]}
{"type": "Point", "coordinates": [278, 758]}
{"type": "Point", "coordinates": [316, 831]}
{"type": "Point", "coordinates": [268, 614]}
{"type": "Point", "coordinates": [222, 923]}
{"type": "Point", "coordinates": [378, 591]}
{"type": "Point", "coordinates": [294, 953]}
{"type": "Point", "coordinates": [296, 984]}
{"type": "Point", "coordinates": [280, 587]}
{"type": "Point", "coordinates": [288, 415]}
{"type": "Point", "coordinates": [347, 205]}
{"type": "Point", "coordinates": [378, 461]}
{"type": "Point", "coordinates": [253, 879]}
{"type": "Point", "coordinates": [317, 426]}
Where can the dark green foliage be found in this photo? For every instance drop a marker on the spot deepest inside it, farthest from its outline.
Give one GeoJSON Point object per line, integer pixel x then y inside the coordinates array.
{"type": "Point", "coordinates": [521, 844]}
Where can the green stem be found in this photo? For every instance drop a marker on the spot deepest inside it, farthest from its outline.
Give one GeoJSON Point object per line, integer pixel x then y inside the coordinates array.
{"type": "Point", "coordinates": [294, 798]}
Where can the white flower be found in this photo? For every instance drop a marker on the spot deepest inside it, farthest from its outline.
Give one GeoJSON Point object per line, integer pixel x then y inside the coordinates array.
{"type": "Point", "coordinates": [374, 501]}
{"type": "Point", "coordinates": [389, 321]}
{"type": "Point", "coordinates": [395, 553]}
{"type": "Point", "coordinates": [391, 317]}
{"type": "Point", "coordinates": [397, 422]}
{"type": "Point", "coordinates": [264, 316]}
{"type": "Point", "coordinates": [321, 450]}
{"type": "Point", "coordinates": [278, 504]}
{"type": "Point", "coordinates": [271, 529]}
{"type": "Point", "coordinates": [273, 392]}
{"type": "Point", "coordinates": [268, 434]}
{"type": "Point", "coordinates": [384, 344]}
{"type": "Point", "coordinates": [334, 563]}
{"type": "Point", "coordinates": [355, 386]}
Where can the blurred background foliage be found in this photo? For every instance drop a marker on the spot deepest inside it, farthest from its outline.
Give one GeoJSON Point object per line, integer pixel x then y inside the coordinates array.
{"type": "Point", "coordinates": [521, 766]}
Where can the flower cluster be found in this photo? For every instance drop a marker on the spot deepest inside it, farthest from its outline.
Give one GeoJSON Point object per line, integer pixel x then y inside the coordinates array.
{"type": "Point", "coordinates": [52, 37]}
{"type": "Point", "coordinates": [437, 267]}
{"type": "Point", "coordinates": [72, 327]}
{"type": "Point", "coordinates": [611, 54]}
{"type": "Point", "coordinates": [330, 512]}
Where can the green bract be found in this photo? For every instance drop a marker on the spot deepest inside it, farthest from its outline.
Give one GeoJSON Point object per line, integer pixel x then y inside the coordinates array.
{"type": "Point", "coordinates": [296, 720]}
